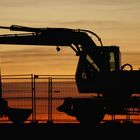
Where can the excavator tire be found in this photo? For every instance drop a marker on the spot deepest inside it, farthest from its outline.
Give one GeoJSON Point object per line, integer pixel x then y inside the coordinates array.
{"type": "Point", "coordinates": [90, 113]}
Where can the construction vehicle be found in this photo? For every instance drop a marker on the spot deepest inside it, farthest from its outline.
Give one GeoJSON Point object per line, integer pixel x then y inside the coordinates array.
{"type": "Point", "coordinates": [99, 71]}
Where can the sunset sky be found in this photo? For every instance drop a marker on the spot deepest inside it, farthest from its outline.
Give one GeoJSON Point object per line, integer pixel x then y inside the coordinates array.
{"type": "Point", "coordinates": [117, 22]}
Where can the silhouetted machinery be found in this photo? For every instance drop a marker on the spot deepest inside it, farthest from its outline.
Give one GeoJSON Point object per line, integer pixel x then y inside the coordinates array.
{"type": "Point", "coordinates": [16, 115]}
{"type": "Point", "coordinates": [98, 71]}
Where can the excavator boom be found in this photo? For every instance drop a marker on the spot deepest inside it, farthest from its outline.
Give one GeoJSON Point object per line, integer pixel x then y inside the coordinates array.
{"type": "Point", "coordinates": [47, 36]}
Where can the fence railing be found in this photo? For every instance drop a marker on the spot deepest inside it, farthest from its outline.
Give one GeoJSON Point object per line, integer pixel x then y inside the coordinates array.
{"type": "Point", "coordinates": [43, 94]}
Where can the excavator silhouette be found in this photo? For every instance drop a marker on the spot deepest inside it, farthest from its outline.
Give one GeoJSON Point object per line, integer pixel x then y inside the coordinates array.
{"type": "Point", "coordinates": [99, 71]}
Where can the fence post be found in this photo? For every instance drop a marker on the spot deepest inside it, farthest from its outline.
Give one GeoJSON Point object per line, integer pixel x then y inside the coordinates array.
{"type": "Point", "coordinates": [33, 77]}
{"type": "Point", "coordinates": [50, 100]}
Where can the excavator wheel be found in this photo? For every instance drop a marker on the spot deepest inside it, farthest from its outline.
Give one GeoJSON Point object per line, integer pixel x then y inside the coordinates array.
{"type": "Point", "coordinates": [90, 113]}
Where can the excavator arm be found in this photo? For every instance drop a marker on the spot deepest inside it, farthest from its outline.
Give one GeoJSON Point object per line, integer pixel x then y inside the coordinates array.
{"type": "Point", "coordinates": [47, 36]}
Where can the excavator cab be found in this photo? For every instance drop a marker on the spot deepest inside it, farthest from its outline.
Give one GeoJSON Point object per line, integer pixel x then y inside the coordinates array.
{"type": "Point", "coordinates": [89, 70]}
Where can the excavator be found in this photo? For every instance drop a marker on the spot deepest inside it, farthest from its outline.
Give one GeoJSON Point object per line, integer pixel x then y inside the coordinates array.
{"type": "Point", "coordinates": [99, 71]}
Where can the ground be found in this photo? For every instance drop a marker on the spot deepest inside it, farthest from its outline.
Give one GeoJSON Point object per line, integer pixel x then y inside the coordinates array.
{"type": "Point", "coordinates": [70, 131]}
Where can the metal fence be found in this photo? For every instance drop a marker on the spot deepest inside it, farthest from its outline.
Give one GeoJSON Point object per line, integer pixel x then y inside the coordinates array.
{"type": "Point", "coordinates": [43, 94]}
{"type": "Point", "coordinates": [18, 91]}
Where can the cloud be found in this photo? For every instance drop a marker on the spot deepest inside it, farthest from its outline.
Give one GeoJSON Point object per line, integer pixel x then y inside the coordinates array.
{"type": "Point", "coordinates": [21, 3]}
{"type": "Point", "coordinates": [36, 59]}
{"type": "Point", "coordinates": [32, 3]}
{"type": "Point", "coordinates": [110, 2]}
{"type": "Point", "coordinates": [102, 24]}
{"type": "Point", "coordinates": [36, 55]}
{"type": "Point", "coordinates": [17, 3]}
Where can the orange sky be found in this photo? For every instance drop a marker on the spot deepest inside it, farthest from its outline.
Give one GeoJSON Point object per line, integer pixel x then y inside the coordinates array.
{"type": "Point", "coordinates": [117, 22]}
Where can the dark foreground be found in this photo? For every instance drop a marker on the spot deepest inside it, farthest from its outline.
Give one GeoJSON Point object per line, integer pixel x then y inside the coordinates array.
{"type": "Point", "coordinates": [69, 131]}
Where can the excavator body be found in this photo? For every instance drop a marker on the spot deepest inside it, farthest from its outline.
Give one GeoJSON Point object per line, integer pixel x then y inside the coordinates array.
{"type": "Point", "coordinates": [99, 71]}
